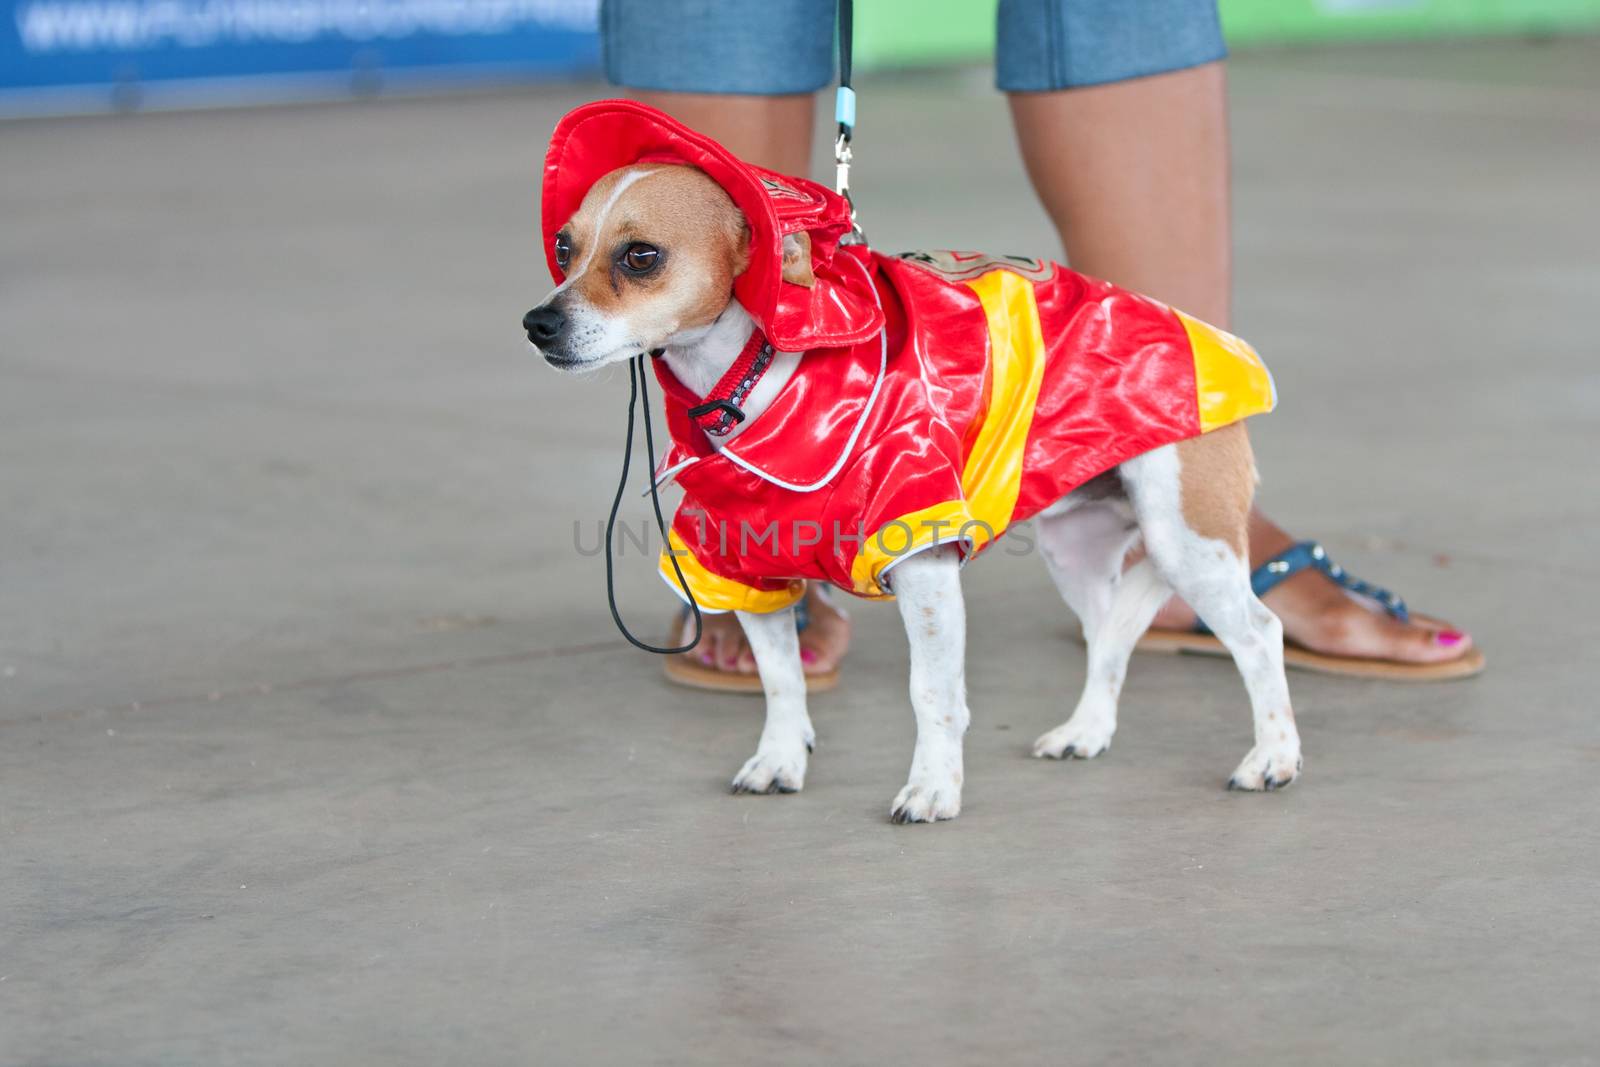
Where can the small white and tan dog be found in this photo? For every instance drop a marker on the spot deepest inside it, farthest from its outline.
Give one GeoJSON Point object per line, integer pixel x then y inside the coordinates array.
{"type": "Point", "coordinates": [650, 260]}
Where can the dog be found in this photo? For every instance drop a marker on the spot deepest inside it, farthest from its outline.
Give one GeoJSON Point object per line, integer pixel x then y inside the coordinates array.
{"type": "Point", "coordinates": [658, 255]}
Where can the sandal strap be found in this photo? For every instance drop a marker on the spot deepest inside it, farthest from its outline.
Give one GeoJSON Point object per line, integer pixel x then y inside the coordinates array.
{"type": "Point", "coordinates": [802, 615]}
{"type": "Point", "coordinates": [1310, 554]}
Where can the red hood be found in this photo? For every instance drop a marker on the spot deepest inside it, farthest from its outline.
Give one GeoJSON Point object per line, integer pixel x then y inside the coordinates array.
{"type": "Point", "coordinates": [840, 309]}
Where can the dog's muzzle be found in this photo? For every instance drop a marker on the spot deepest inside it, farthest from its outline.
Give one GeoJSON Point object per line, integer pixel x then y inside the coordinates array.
{"type": "Point", "coordinates": [545, 326]}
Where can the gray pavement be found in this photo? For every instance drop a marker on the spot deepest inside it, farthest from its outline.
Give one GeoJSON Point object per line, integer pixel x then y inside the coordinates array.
{"type": "Point", "coordinates": [317, 744]}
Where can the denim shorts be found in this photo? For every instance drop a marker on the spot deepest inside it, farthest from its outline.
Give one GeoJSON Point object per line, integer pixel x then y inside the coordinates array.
{"type": "Point", "coordinates": [771, 47]}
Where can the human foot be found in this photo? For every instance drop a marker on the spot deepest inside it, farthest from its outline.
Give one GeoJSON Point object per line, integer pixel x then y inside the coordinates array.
{"type": "Point", "coordinates": [825, 638]}
{"type": "Point", "coordinates": [1320, 616]}
{"type": "Point", "coordinates": [722, 650]}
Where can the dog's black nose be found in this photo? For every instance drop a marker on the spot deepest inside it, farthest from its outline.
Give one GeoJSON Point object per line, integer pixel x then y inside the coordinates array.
{"type": "Point", "coordinates": [544, 324]}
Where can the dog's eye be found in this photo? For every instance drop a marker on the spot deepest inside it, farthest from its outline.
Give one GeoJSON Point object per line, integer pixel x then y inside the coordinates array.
{"type": "Point", "coordinates": [641, 258]}
{"type": "Point", "coordinates": [563, 250]}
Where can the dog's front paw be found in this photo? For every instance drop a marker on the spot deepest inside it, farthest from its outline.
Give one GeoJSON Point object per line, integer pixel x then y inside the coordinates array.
{"type": "Point", "coordinates": [1267, 768]}
{"type": "Point", "coordinates": [1077, 738]}
{"type": "Point", "coordinates": [773, 770]}
{"type": "Point", "coordinates": [926, 801]}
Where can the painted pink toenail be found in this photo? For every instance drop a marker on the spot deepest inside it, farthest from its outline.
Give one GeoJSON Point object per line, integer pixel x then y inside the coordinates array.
{"type": "Point", "coordinates": [807, 656]}
{"type": "Point", "coordinates": [1448, 638]}
{"type": "Point", "coordinates": [706, 658]}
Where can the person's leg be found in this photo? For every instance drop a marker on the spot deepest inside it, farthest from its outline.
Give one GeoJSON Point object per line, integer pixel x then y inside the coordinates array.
{"type": "Point", "coordinates": [746, 74]}
{"type": "Point", "coordinates": [1132, 165]}
{"type": "Point", "coordinates": [769, 131]}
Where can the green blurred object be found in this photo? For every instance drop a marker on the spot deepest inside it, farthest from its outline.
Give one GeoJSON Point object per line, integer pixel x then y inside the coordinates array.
{"type": "Point", "coordinates": [900, 33]}
{"type": "Point", "coordinates": [897, 33]}
{"type": "Point", "coordinates": [1290, 21]}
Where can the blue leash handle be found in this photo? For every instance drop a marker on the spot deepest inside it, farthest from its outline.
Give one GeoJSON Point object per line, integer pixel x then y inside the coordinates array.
{"type": "Point", "coordinates": [844, 108]}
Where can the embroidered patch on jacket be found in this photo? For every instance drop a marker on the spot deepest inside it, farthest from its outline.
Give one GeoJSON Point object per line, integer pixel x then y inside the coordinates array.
{"type": "Point", "coordinates": [964, 266]}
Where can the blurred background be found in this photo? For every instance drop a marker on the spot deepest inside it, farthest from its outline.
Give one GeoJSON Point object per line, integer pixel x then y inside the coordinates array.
{"type": "Point", "coordinates": [71, 56]}
{"type": "Point", "coordinates": [318, 744]}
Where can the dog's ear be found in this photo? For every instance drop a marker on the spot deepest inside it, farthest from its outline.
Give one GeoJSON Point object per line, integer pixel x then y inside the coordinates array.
{"type": "Point", "coordinates": [797, 259]}
{"type": "Point", "coordinates": [741, 244]}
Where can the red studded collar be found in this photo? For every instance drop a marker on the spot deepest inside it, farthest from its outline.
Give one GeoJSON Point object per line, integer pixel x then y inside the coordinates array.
{"type": "Point", "coordinates": [723, 407]}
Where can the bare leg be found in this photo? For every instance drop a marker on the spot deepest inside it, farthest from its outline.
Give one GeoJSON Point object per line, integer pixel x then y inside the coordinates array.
{"type": "Point", "coordinates": [769, 131]}
{"type": "Point", "coordinates": [1135, 176]}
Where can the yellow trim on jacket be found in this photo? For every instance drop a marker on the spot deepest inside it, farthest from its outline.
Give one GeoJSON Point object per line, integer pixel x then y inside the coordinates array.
{"type": "Point", "coordinates": [1230, 381]}
{"type": "Point", "coordinates": [713, 592]}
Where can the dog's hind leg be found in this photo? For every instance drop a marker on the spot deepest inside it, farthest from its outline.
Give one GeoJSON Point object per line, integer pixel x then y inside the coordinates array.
{"type": "Point", "coordinates": [1083, 544]}
{"type": "Point", "coordinates": [1212, 574]}
{"type": "Point", "coordinates": [928, 589]}
{"type": "Point", "coordinates": [1084, 548]}
{"type": "Point", "coordinates": [779, 765]}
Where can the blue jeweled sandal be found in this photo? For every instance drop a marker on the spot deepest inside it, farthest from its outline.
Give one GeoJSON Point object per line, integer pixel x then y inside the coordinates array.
{"type": "Point", "coordinates": [1286, 564]}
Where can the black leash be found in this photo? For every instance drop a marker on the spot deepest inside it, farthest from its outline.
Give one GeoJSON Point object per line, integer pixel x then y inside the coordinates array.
{"type": "Point", "coordinates": [845, 104]}
{"type": "Point", "coordinates": [844, 113]}
{"type": "Point", "coordinates": [636, 388]}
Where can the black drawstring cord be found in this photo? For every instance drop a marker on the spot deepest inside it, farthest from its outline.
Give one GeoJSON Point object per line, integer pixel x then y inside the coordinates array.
{"type": "Point", "coordinates": [637, 386]}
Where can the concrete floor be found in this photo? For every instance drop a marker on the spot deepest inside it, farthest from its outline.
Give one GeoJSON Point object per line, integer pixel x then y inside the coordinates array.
{"type": "Point", "coordinates": [317, 744]}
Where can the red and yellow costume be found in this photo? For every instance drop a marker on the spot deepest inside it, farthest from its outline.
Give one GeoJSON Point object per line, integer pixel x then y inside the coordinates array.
{"type": "Point", "coordinates": [941, 396]}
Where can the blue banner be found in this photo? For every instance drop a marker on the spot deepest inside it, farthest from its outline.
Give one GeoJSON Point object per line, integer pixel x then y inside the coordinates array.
{"type": "Point", "coordinates": [75, 55]}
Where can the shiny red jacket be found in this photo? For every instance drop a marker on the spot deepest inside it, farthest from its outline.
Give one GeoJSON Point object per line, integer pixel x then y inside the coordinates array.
{"type": "Point", "coordinates": [941, 398]}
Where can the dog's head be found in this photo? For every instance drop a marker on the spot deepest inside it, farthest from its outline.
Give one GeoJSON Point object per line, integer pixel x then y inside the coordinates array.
{"type": "Point", "coordinates": [650, 257]}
